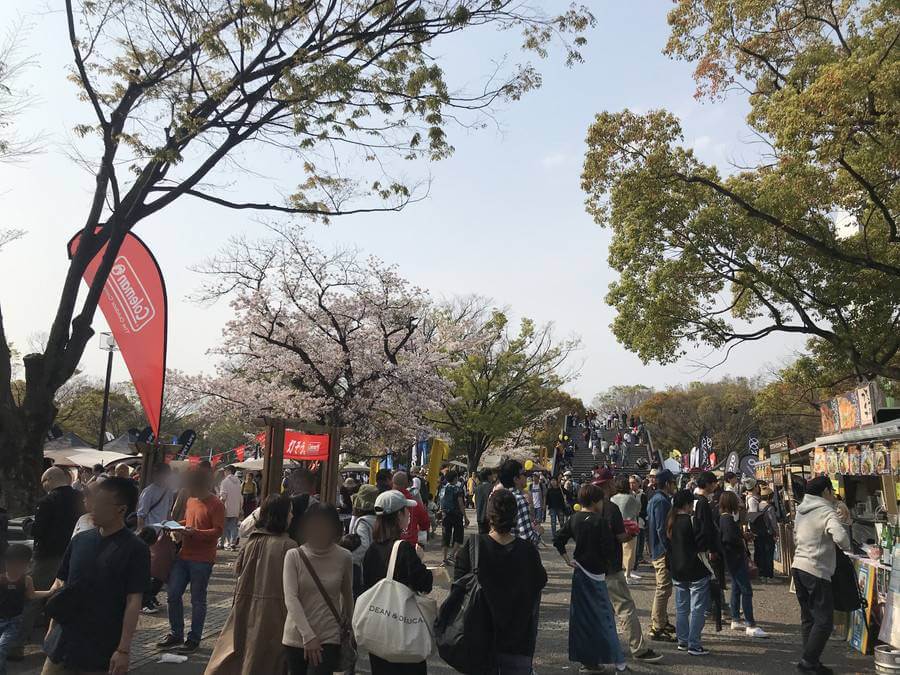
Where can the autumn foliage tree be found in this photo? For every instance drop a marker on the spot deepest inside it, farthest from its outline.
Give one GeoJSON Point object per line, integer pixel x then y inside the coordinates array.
{"type": "Point", "coordinates": [804, 239]}
{"type": "Point", "coordinates": [174, 88]}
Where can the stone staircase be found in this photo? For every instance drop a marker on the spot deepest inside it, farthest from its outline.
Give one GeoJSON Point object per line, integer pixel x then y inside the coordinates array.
{"type": "Point", "coordinates": [584, 460]}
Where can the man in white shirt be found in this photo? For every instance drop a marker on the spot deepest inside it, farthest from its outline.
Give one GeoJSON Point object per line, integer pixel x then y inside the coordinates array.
{"type": "Point", "coordinates": [230, 494]}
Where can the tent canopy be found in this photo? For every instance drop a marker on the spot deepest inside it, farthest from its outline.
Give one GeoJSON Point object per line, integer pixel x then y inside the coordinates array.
{"type": "Point", "coordinates": [86, 457]}
{"type": "Point", "coordinates": [355, 467]}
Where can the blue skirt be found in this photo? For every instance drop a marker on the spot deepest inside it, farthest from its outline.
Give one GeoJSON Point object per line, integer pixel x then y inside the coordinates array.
{"type": "Point", "coordinates": [593, 639]}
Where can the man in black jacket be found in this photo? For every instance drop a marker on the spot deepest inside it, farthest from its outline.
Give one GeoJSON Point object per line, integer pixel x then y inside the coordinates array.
{"type": "Point", "coordinates": [706, 525]}
{"type": "Point", "coordinates": [54, 521]}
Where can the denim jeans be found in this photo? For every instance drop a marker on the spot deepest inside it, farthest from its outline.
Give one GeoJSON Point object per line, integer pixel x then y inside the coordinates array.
{"type": "Point", "coordinates": [9, 633]}
{"type": "Point", "coordinates": [196, 574]}
{"type": "Point", "coordinates": [556, 515]}
{"type": "Point", "coordinates": [691, 600]}
{"type": "Point", "coordinates": [230, 532]}
{"type": "Point", "coordinates": [741, 593]}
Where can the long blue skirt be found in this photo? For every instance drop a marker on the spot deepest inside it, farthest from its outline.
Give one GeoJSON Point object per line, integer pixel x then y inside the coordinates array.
{"type": "Point", "coordinates": [592, 625]}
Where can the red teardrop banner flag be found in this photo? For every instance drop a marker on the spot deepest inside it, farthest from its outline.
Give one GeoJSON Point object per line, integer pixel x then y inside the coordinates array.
{"type": "Point", "coordinates": [134, 305]}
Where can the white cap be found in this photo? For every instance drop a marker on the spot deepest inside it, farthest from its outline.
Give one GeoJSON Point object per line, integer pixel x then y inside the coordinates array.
{"type": "Point", "coordinates": [392, 501]}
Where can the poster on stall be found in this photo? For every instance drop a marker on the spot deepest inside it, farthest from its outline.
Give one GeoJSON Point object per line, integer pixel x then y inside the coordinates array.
{"type": "Point", "coordinates": [860, 639]}
{"type": "Point", "coordinates": [882, 458]}
{"type": "Point", "coordinates": [895, 457]}
{"type": "Point", "coordinates": [843, 461]}
{"type": "Point", "coordinates": [819, 465]}
{"type": "Point", "coordinates": [848, 410]}
{"type": "Point", "coordinates": [853, 452]}
{"type": "Point", "coordinates": [831, 461]}
{"type": "Point", "coordinates": [831, 422]}
{"type": "Point", "coordinates": [867, 461]}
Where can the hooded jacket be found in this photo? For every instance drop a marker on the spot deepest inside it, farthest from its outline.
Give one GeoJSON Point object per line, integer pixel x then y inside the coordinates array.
{"type": "Point", "coordinates": [816, 531]}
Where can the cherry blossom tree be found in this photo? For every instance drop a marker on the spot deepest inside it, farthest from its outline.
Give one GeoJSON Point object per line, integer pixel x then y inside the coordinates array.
{"type": "Point", "coordinates": [326, 336]}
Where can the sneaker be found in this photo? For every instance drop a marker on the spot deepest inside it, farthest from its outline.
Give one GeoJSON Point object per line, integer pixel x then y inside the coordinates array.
{"type": "Point", "coordinates": [661, 636]}
{"type": "Point", "coordinates": [622, 668]}
{"type": "Point", "coordinates": [698, 651]}
{"type": "Point", "coordinates": [189, 647]}
{"type": "Point", "coordinates": [818, 668]}
{"type": "Point", "coordinates": [149, 610]}
{"type": "Point", "coordinates": [648, 655]}
{"type": "Point", "coordinates": [634, 576]}
{"type": "Point", "coordinates": [738, 625]}
{"type": "Point", "coordinates": [669, 628]}
{"type": "Point", "coordinates": [591, 670]}
{"type": "Point", "coordinates": [170, 641]}
{"type": "Point", "coordinates": [756, 632]}
{"type": "Point", "coordinates": [682, 648]}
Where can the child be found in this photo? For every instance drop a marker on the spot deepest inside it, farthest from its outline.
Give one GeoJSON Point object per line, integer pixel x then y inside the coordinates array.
{"type": "Point", "coordinates": [16, 587]}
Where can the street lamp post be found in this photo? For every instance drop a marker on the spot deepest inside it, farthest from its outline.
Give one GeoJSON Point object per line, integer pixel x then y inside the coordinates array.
{"type": "Point", "coordinates": [107, 344]}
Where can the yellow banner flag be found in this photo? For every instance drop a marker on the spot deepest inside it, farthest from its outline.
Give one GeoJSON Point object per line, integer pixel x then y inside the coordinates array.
{"type": "Point", "coordinates": [373, 469]}
{"type": "Point", "coordinates": [439, 452]}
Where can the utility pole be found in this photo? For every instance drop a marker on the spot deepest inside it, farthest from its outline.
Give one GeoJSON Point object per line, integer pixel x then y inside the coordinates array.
{"type": "Point", "coordinates": [107, 344]}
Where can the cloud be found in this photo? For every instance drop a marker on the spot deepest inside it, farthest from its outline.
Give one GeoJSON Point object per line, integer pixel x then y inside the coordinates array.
{"type": "Point", "coordinates": [553, 160]}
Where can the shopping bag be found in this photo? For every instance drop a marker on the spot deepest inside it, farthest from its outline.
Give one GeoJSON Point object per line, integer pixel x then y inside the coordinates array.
{"type": "Point", "coordinates": [389, 623]}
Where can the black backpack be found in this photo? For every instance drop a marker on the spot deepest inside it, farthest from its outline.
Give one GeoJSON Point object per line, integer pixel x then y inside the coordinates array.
{"type": "Point", "coordinates": [463, 630]}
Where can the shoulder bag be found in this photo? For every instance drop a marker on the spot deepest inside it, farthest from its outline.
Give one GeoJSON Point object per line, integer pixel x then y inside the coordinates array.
{"type": "Point", "coordinates": [348, 644]}
{"type": "Point", "coordinates": [464, 630]}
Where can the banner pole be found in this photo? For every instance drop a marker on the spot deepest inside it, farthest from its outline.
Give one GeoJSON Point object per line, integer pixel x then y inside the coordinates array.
{"type": "Point", "coordinates": [273, 458]}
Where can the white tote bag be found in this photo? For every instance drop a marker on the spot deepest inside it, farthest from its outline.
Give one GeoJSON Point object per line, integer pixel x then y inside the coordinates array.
{"type": "Point", "coordinates": [388, 622]}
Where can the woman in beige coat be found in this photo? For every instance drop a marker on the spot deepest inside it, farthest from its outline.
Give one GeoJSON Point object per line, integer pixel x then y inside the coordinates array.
{"type": "Point", "coordinates": [246, 645]}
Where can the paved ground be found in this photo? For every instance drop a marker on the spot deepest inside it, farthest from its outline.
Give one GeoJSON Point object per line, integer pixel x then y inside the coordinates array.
{"type": "Point", "coordinates": [776, 611]}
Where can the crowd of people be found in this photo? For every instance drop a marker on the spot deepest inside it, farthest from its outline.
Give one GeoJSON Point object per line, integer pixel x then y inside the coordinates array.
{"type": "Point", "coordinates": [103, 552]}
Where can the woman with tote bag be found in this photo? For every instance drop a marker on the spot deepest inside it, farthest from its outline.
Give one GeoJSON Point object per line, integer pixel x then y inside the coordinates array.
{"type": "Point", "coordinates": [388, 551]}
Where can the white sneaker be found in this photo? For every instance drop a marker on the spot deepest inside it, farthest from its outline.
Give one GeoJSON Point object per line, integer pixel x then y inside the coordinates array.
{"type": "Point", "coordinates": [634, 576]}
{"type": "Point", "coordinates": [738, 625]}
{"type": "Point", "coordinates": [756, 632]}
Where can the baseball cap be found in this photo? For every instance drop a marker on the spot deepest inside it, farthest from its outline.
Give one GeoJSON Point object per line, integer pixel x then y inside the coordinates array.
{"type": "Point", "coordinates": [603, 475]}
{"type": "Point", "coordinates": [392, 501]}
{"type": "Point", "coordinates": [664, 476]}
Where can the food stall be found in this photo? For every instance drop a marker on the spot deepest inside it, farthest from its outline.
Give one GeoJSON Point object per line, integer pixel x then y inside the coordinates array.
{"type": "Point", "coordinates": [862, 459]}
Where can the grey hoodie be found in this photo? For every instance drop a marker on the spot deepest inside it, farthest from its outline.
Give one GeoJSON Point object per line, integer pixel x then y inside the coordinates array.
{"type": "Point", "coordinates": [816, 531]}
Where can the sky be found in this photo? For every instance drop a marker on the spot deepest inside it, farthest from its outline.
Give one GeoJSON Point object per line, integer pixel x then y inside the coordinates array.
{"type": "Point", "coordinates": [504, 216]}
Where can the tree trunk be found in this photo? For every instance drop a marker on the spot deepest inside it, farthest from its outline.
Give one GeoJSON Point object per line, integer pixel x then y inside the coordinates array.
{"type": "Point", "coordinates": [22, 456]}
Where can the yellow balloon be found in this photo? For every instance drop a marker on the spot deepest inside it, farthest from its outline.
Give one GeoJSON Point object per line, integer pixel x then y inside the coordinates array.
{"type": "Point", "coordinates": [577, 507]}
{"type": "Point", "coordinates": [529, 465]}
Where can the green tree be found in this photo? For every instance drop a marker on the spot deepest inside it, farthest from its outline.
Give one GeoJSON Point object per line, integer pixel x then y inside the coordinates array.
{"type": "Point", "coordinates": [177, 88]}
{"type": "Point", "coordinates": [711, 259]}
{"type": "Point", "coordinates": [506, 382]}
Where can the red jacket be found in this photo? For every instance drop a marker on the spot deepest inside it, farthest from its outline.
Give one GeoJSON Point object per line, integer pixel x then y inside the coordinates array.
{"type": "Point", "coordinates": [418, 520]}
